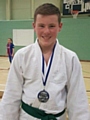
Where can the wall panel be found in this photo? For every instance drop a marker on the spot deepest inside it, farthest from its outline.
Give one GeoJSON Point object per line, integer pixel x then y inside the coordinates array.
{"type": "Point", "coordinates": [2, 9]}
{"type": "Point", "coordinates": [20, 9]}
{"type": "Point", "coordinates": [39, 2]}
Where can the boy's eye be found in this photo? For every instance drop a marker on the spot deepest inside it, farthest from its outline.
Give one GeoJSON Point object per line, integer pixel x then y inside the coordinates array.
{"type": "Point", "coordinates": [51, 26]}
{"type": "Point", "coordinates": [41, 26]}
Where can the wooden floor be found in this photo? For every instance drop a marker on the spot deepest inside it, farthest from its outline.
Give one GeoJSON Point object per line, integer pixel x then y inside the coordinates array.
{"type": "Point", "coordinates": [4, 65]}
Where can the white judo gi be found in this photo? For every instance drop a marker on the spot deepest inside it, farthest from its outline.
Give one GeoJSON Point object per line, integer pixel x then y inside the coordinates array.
{"type": "Point", "coordinates": [25, 82]}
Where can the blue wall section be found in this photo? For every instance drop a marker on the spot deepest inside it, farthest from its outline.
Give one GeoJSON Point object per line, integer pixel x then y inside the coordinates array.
{"type": "Point", "coordinates": [75, 35]}
{"type": "Point", "coordinates": [6, 31]}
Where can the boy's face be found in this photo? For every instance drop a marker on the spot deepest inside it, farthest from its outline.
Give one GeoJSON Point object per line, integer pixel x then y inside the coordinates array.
{"type": "Point", "coordinates": [47, 28]}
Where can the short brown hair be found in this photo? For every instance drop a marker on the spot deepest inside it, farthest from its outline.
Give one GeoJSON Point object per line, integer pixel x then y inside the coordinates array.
{"type": "Point", "coordinates": [47, 9]}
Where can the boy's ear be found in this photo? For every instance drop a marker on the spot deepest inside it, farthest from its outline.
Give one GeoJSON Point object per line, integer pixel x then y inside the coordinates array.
{"type": "Point", "coordinates": [60, 26]}
{"type": "Point", "coordinates": [33, 25]}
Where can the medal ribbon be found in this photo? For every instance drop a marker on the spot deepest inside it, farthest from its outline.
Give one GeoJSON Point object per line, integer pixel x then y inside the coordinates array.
{"type": "Point", "coordinates": [44, 81]}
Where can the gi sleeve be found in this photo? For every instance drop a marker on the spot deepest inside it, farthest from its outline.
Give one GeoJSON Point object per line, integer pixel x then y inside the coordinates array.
{"type": "Point", "coordinates": [11, 100]}
{"type": "Point", "coordinates": [77, 103]}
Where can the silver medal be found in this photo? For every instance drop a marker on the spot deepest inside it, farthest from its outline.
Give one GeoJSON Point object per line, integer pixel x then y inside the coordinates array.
{"type": "Point", "coordinates": [43, 96]}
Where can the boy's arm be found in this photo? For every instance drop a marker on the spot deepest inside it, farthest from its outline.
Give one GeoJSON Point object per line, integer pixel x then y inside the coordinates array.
{"type": "Point", "coordinates": [11, 100]}
{"type": "Point", "coordinates": [77, 102]}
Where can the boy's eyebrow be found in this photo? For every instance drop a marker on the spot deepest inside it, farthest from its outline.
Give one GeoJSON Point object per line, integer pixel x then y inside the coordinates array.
{"type": "Point", "coordinates": [44, 24]}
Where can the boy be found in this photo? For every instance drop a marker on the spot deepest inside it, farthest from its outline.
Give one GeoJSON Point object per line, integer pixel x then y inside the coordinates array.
{"type": "Point", "coordinates": [45, 78]}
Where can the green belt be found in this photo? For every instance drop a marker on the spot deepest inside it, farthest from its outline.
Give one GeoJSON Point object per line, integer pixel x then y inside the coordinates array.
{"type": "Point", "coordinates": [40, 114]}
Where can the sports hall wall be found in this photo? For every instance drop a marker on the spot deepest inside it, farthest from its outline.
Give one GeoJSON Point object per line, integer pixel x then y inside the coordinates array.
{"type": "Point", "coordinates": [18, 14]}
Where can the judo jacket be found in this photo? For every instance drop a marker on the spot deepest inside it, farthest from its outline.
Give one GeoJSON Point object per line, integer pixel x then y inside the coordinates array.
{"type": "Point", "coordinates": [65, 85]}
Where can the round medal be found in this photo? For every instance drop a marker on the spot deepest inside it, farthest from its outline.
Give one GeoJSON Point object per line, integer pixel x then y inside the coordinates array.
{"type": "Point", "coordinates": [43, 96]}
